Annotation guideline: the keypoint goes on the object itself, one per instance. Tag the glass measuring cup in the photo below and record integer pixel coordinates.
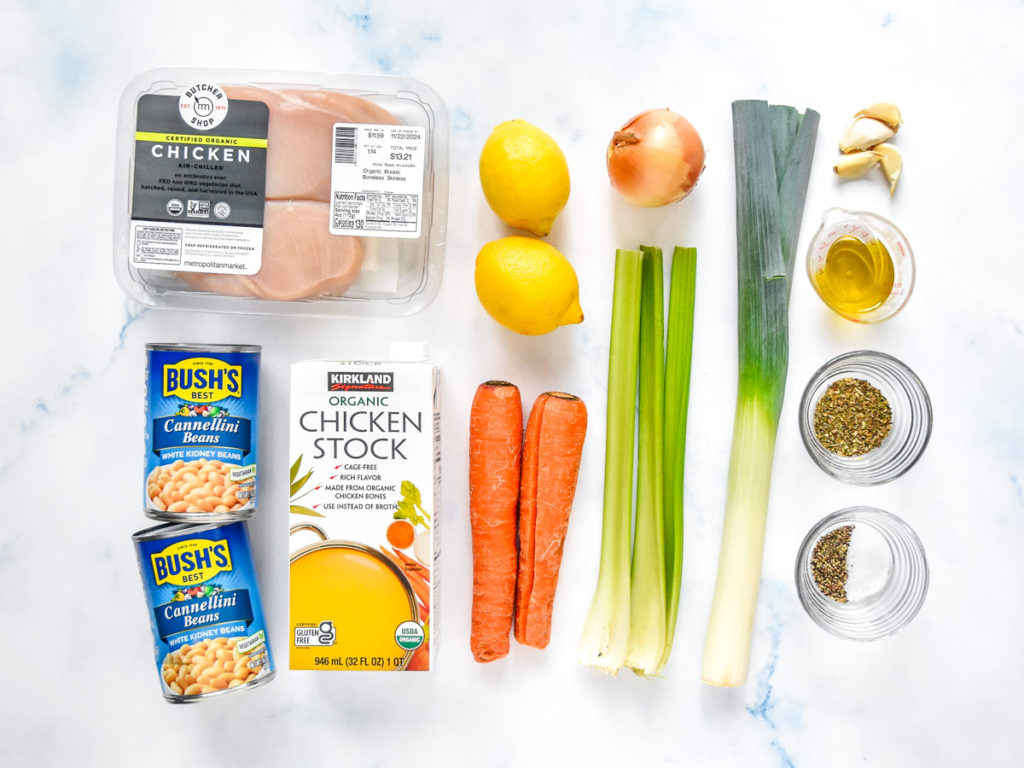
(869, 231)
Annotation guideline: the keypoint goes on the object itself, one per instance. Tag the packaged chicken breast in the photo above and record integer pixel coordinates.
(280, 193)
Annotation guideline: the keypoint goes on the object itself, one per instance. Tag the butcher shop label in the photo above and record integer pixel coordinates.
(199, 183)
(203, 106)
(377, 180)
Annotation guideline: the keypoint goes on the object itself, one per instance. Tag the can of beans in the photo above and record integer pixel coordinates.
(204, 609)
(202, 409)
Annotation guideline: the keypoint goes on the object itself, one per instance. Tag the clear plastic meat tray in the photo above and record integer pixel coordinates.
(280, 193)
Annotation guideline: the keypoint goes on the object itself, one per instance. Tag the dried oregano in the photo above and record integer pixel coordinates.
(852, 417)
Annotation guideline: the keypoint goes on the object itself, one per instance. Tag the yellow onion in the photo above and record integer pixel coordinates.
(655, 158)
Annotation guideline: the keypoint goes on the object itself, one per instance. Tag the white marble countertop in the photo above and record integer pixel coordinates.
(77, 671)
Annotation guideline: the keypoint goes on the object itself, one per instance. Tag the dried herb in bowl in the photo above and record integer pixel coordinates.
(852, 417)
(828, 563)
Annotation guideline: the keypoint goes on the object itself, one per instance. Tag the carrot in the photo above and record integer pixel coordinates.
(420, 587)
(424, 611)
(495, 454)
(401, 534)
(551, 463)
(420, 660)
(413, 565)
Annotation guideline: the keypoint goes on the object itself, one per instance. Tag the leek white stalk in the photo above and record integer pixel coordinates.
(774, 147)
(727, 647)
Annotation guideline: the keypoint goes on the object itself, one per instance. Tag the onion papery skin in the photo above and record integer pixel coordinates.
(655, 158)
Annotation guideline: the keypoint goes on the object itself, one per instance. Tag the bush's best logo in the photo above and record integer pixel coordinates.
(191, 562)
(202, 379)
(360, 381)
(203, 106)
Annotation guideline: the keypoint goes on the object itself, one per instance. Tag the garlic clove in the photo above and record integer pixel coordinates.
(856, 164)
(864, 133)
(892, 164)
(885, 112)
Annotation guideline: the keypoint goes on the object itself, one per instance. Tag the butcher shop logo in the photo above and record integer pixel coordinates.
(203, 106)
(360, 381)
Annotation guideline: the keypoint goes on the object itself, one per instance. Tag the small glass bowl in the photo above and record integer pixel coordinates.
(888, 575)
(911, 418)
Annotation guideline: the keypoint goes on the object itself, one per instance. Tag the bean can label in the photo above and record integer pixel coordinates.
(201, 431)
(204, 609)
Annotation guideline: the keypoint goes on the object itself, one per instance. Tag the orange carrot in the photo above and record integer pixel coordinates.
(413, 565)
(401, 534)
(528, 515)
(420, 660)
(495, 453)
(551, 464)
(420, 587)
(424, 611)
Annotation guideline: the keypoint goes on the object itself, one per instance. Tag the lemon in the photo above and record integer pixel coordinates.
(527, 285)
(524, 176)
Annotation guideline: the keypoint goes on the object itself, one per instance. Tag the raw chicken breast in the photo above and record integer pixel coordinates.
(301, 136)
(301, 258)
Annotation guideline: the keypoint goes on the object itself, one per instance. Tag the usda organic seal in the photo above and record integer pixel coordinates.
(409, 635)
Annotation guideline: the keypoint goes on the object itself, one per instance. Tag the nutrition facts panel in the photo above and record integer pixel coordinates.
(370, 212)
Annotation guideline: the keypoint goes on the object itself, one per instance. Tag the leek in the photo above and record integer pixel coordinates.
(774, 147)
(647, 584)
(678, 356)
(606, 631)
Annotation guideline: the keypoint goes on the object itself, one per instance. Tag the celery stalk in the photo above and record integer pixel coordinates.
(774, 148)
(606, 631)
(678, 357)
(647, 584)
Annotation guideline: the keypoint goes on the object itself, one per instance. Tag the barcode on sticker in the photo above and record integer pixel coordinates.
(345, 144)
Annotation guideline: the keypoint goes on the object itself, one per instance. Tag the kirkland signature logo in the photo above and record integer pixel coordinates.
(360, 381)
